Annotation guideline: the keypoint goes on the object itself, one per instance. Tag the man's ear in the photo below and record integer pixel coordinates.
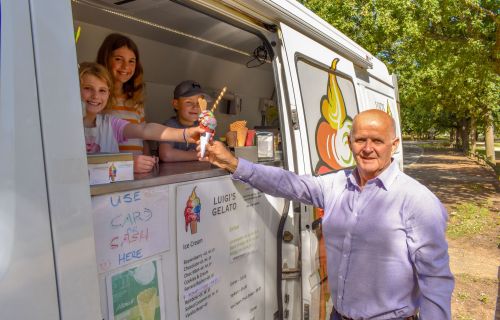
(349, 141)
(395, 144)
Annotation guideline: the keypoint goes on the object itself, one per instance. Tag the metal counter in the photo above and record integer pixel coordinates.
(167, 173)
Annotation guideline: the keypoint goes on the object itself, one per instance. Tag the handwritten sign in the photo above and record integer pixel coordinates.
(130, 226)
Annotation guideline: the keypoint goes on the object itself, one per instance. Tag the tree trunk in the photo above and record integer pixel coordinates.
(457, 137)
(452, 136)
(465, 129)
(489, 138)
(473, 135)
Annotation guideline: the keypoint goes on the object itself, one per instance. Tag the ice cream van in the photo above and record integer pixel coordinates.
(185, 241)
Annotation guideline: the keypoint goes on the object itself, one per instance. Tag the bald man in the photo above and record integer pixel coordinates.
(385, 232)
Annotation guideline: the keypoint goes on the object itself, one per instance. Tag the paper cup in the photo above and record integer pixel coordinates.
(146, 300)
(250, 138)
(231, 138)
(204, 138)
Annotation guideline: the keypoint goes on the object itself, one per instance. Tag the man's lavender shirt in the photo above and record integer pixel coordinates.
(386, 248)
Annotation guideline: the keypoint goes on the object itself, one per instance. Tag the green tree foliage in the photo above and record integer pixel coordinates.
(446, 54)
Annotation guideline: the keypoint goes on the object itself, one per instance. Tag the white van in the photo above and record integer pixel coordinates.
(124, 250)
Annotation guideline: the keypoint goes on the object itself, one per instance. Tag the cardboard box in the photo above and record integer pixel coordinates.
(110, 167)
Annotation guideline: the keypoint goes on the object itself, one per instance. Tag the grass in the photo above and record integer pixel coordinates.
(462, 296)
(468, 219)
(474, 297)
(481, 145)
(436, 145)
(483, 297)
(483, 152)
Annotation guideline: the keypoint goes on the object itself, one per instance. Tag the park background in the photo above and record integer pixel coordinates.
(446, 55)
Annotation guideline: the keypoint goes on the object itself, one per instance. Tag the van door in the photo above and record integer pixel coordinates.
(47, 253)
(322, 101)
(27, 273)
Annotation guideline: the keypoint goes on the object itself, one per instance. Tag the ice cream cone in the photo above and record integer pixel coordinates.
(204, 139)
(241, 136)
(194, 227)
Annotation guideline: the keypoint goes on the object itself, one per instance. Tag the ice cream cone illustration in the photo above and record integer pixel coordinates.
(192, 212)
(112, 172)
(333, 128)
(146, 300)
(388, 109)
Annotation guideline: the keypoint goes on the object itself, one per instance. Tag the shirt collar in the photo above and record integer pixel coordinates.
(385, 179)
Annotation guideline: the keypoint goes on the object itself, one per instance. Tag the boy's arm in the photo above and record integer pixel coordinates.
(168, 153)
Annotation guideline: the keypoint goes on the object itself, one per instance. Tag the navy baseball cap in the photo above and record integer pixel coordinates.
(187, 88)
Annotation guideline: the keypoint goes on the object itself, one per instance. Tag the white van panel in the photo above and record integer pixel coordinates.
(27, 275)
(65, 159)
(239, 285)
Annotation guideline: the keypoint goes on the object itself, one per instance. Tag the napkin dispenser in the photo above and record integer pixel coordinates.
(265, 145)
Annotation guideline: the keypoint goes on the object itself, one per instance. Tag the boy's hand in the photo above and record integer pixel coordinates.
(217, 154)
(193, 134)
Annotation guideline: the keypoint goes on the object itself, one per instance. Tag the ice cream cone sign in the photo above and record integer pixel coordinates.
(388, 109)
(333, 128)
(192, 212)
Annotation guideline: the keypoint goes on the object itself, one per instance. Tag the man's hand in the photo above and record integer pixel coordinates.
(144, 164)
(219, 155)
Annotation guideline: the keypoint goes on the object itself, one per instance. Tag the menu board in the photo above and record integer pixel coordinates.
(130, 226)
(220, 238)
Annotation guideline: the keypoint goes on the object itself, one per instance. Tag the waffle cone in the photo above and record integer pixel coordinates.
(241, 136)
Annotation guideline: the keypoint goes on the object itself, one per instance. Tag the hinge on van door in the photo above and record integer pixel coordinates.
(295, 120)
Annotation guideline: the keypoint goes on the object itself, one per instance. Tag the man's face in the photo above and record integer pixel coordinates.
(188, 109)
(372, 142)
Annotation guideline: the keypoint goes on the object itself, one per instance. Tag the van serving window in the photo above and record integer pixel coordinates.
(177, 43)
(330, 110)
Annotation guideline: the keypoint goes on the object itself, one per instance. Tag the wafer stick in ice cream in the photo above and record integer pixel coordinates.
(221, 94)
(202, 102)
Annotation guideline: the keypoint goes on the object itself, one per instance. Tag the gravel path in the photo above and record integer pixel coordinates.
(475, 260)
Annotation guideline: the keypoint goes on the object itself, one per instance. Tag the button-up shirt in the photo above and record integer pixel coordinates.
(386, 249)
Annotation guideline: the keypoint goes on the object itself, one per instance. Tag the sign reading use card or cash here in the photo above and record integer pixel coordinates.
(130, 226)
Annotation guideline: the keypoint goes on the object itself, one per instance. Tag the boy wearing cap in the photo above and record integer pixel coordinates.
(186, 107)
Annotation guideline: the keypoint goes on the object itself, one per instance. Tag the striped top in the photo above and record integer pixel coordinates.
(133, 114)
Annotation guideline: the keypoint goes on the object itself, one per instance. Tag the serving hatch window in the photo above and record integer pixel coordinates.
(178, 43)
(330, 108)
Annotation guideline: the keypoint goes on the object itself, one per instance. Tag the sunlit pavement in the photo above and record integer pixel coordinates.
(411, 153)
